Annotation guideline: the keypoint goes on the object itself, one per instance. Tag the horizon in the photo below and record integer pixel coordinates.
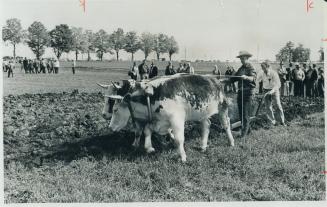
(252, 25)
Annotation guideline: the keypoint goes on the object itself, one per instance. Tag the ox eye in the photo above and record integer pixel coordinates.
(115, 110)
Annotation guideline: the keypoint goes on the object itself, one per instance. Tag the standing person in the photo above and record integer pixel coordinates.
(134, 72)
(56, 66)
(246, 84)
(298, 77)
(5, 65)
(181, 68)
(270, 86)
(229, 87)
(216, 71)
(11, 68)
(35, 66)
(289, 81)
(304, 85)
(25, 65)
(189, 69)
(282, 76)
(30, 66)
(153, 71)
(143, 70)
(73, 66)
(314, 80)
(52, 66)
(308, 84)
(48, 66)
(170, 69)
(321, 82)
(42, 66)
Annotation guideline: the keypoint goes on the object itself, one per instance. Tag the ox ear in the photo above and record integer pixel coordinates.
(103, 86)
(116, 85)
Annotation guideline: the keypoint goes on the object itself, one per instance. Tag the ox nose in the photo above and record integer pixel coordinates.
(105, 116)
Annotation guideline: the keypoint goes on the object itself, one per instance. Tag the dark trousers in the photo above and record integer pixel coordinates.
(309, 89)
(73, 68)
(245, 111)
(10, 71)
(298, 88)
(321, 87)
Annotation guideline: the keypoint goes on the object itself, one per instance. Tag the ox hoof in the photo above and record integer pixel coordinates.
(150, 150)
(232, 144)
(184, 160)
(136, 145)
(203, 149)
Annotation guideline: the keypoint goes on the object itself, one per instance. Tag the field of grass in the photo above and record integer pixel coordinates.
(57, 149)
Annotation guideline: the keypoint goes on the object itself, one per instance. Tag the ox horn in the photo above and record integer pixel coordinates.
(102, 85)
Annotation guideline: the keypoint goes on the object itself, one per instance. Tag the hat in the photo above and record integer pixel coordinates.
(244, 53)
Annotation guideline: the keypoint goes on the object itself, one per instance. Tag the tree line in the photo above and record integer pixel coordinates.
(65, 39)
(290, 53)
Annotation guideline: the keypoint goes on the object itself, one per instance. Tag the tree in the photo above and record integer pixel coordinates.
(12, 32)
(89, 42)
(172, 46)
(61, 39)
(79, 44)
(117, 41)
(286, 53)
(132, 44)
(161, 45)
(301, 54)
(147, 43)
(102, 43)
(37, 38)
(322, 55)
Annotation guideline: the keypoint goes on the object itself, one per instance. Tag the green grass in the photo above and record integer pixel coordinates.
(275, 164)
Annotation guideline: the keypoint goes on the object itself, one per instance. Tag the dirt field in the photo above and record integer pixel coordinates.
(57, 149)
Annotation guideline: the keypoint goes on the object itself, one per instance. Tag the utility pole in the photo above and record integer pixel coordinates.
(185, 53)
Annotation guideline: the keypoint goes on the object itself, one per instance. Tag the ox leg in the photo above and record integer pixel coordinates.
(224, 120)
(147, 143)
(138, 134)
(170, 133)
(205, 129)
(178, 133)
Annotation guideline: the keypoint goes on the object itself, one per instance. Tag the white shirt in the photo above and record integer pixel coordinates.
(270, 80)
(57, 63)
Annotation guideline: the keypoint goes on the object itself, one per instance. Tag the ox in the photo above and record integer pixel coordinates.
(166, 103)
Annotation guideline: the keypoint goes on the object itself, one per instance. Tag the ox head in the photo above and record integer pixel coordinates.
(120, 114)
(114, 92)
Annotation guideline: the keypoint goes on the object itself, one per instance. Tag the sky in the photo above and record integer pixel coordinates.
(204, 29)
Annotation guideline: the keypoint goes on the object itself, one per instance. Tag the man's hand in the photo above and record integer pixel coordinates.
(244, 77)
(270, 92)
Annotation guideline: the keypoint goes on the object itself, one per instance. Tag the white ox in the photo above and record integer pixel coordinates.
(166, 103)
(116, 90)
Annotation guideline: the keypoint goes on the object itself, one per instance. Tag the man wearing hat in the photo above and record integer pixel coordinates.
(246, 84)
(271, 84)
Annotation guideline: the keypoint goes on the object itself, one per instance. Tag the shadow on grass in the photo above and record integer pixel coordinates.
(111, 146)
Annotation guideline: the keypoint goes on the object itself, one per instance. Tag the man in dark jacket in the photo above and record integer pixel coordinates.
(246, 85)
(170, 69)
(143, 70)
(25, 65)
(309, 80)
(153, 71)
